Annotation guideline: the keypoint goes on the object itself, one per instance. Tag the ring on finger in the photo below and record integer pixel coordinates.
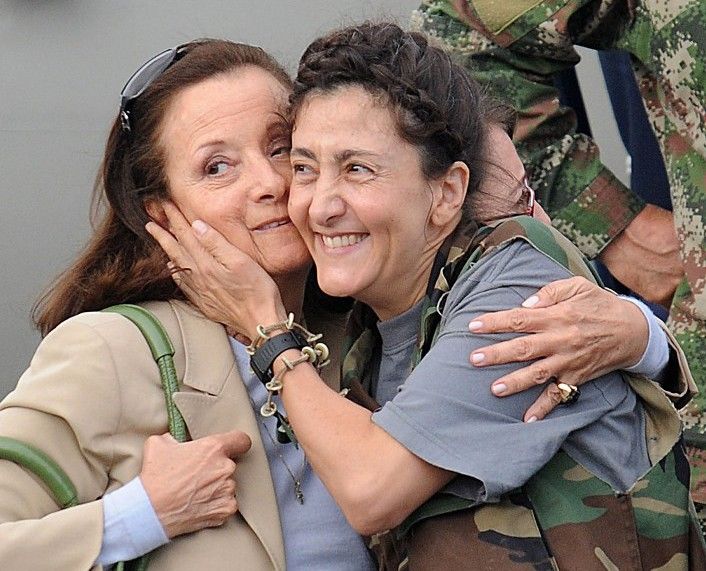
(569, 393)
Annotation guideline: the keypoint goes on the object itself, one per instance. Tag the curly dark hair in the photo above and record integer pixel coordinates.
(437, 106)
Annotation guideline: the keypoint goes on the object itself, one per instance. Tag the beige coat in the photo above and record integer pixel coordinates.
(89, 399)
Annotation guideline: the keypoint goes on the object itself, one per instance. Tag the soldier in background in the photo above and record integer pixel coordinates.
(516, 48)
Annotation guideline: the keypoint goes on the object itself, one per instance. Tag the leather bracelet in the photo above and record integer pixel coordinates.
(265, 355)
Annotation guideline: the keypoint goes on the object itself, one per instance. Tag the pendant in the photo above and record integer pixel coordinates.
(299, 493)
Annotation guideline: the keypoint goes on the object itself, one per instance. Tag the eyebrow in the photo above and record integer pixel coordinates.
(209, 144)
(278, 126)
(339, 157)
(302, 152)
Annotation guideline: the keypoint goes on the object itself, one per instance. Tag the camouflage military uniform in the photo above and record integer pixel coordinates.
(515, 47)
(565, 517)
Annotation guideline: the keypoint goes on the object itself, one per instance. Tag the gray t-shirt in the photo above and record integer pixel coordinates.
(446, 414)
(316, 534)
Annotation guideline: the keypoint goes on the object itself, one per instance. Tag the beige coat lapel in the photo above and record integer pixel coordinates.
(214, 399)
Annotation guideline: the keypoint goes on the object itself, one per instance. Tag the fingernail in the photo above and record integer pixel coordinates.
(477, 357)
(474, 325)
(530, 301)
(531, 419)
(199, 227)
(499, 388)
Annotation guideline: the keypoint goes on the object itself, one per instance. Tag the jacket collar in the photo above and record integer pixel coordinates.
(212, 399)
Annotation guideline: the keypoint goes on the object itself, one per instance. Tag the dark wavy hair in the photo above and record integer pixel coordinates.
(121, 263)
(437, 106)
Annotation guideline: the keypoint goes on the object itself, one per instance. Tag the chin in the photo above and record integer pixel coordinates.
(338, 286)
(289, 266)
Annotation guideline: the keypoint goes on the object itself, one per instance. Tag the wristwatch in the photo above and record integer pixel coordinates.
(262, 360)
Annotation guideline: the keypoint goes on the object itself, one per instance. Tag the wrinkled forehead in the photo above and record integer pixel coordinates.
(239, 99)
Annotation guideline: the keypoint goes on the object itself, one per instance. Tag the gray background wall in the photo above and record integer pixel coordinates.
(62, 65)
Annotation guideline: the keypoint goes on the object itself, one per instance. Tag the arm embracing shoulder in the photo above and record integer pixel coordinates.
(445, 412)
(66, 404)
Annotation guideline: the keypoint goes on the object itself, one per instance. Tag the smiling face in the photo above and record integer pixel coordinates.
(226, 150)
(361, 201)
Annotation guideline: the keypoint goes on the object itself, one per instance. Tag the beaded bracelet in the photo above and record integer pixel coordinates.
(315, 352)
(263, 333)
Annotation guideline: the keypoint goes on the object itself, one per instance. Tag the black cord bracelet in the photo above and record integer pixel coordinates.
(265, 355)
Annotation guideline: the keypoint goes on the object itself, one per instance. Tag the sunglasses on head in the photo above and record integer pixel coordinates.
(143, 78)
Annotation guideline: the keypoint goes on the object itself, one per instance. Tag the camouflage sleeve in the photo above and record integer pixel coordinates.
(515, 48)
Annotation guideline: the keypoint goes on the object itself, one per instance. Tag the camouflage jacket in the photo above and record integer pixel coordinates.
(564, 517)
(516, 47)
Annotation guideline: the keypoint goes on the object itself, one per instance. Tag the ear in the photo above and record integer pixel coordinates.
(156, 212)
(450, 194)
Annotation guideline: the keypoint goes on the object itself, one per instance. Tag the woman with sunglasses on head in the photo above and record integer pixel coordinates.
(388, 152)
(202, 126)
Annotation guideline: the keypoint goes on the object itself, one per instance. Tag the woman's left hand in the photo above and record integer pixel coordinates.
(579, 332)
(227, 285)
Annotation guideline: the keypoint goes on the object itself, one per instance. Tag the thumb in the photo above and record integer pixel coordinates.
(214, 242)
(556, 292)
(235, 442)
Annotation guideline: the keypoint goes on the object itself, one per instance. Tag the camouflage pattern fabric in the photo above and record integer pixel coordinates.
(516, 47)
(565, 517)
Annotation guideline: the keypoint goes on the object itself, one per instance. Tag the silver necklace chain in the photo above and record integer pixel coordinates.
(298, 492)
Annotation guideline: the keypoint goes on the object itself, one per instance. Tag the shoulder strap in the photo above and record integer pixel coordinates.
(48, 471)
(541, 237)
(163, 354)
(53, 476)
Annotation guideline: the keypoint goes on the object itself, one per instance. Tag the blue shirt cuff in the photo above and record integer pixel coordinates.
(131, 527)
(656, 355)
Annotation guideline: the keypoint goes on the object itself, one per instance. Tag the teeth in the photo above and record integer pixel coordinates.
(273, 225)
(341, 241)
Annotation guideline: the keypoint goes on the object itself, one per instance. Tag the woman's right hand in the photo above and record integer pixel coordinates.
(226, 284)
(579, 331)
(191, 484)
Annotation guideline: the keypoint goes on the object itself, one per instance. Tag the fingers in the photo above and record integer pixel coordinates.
(525, 348)
(526, 319)
(515, 320)
(182, 230)
(221, 508)
(200, 488)
(200, 241)
(558, 291)
(167, 242)
(232, 444)
(537, 373)
(526, 378)
(199, 236)
(547, 402)
(214, 242)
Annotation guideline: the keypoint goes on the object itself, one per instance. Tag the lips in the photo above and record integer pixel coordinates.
(342, 240)
(269, 225)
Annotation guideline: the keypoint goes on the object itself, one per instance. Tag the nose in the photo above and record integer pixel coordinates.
(267, 183)
(327, 202)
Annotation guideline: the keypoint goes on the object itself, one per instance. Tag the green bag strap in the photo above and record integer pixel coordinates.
(163, 354)
(53, 476)
(37, 462)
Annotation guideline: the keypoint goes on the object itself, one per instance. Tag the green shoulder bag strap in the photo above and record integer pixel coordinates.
(53, 476)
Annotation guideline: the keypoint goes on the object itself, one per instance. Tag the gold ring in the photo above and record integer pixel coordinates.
(569, 393)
